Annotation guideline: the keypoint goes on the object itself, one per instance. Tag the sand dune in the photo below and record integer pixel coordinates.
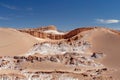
(13, 42)
(107, 42)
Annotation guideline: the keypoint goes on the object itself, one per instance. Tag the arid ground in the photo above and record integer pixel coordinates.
(45, 53)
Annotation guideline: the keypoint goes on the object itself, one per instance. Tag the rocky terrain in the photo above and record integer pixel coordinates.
(48, 54)
(52, 33)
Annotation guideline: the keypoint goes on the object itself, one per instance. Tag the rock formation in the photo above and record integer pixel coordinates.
(39, 32)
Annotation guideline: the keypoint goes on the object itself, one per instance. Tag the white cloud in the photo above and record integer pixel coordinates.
(109, 21)
(4, 18)
(8, 6)
(14, 7)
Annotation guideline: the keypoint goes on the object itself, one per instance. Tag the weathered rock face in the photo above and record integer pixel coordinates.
(75, 32)
(39, 32)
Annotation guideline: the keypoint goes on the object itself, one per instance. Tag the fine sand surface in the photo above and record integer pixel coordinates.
(46, 66)
(108, 43)
(13, 42)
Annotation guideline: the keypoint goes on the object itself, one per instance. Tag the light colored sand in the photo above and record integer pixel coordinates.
(46, 66)
(108, 43)
(13, 42)
(54, 32)
(9, 71)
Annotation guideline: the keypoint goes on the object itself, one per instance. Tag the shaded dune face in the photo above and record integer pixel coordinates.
(13, 42)
(108, 43)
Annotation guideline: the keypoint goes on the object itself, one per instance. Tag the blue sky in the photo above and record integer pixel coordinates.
(65, 14)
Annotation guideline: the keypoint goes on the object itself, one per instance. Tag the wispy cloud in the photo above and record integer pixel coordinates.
(3, 18)
(109, 21)
(8, 6)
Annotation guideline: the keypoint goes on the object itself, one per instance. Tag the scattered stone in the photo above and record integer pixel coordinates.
(97, 55)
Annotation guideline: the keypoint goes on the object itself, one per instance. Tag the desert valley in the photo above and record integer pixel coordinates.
(45, 53)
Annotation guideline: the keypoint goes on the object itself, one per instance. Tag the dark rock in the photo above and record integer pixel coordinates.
(97, 55)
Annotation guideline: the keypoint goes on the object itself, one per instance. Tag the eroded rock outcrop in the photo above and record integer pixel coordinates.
(39, 32)
(15, 64)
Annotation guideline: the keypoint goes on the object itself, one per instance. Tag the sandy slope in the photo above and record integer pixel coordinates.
(13, 42)
(108, 43)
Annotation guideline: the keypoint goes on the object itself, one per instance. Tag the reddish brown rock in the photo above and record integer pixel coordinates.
(39, 32)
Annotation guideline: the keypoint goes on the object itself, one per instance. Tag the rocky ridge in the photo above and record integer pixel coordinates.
(39, 32)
